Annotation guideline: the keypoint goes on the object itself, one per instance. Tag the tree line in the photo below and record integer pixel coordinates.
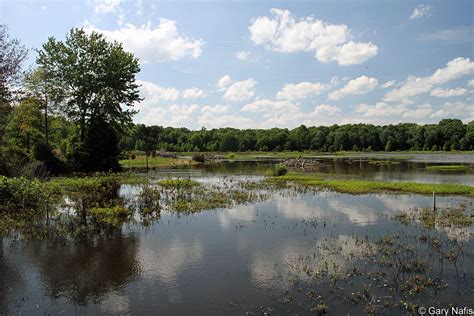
(73, 112)
(447, 135)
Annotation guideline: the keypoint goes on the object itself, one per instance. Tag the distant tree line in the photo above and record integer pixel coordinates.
(447, 135)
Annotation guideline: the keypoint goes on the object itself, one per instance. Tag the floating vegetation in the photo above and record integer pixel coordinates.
(447, 168)
(365, 186)
(178, 183)
(198, 198)
(114, 215)
(383, 162)
(148, 201)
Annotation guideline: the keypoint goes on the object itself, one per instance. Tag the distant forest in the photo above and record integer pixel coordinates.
(448, 134)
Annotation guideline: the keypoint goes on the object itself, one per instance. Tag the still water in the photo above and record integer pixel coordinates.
(297, 252)
(401, 170)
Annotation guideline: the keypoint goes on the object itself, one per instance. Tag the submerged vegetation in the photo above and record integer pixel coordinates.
(400, 270)
(367, 186)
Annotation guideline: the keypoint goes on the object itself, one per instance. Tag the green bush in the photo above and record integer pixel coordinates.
(199, 157)
(21, 193)
(279, 170)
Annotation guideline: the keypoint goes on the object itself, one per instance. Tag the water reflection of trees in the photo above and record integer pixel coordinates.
(89, 268)
(9, 279)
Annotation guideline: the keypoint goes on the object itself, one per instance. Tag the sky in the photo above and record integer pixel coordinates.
(263, 64)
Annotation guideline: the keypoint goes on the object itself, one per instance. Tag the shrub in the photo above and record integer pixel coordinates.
(279, 170)
(199, 157)
(231, 156)
(21, 193)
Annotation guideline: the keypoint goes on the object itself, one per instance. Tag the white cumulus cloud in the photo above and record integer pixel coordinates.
(224, 82)
(154, 44)
(302, 90)
(154, 93)
(413, 86)
(329, 42)
(266, 105)
(446, 93)
(459, 109)
(361, 85)
(216, 116)
(193, 93)
(240, 90)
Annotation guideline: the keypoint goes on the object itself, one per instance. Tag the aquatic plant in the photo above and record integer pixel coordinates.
(366, 186)
(148, 201)
(279, 170)
(114, 215)
(178, 183)
(448, 168)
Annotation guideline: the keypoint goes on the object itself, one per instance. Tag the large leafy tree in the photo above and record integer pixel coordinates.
(92, 82)
(94, 78)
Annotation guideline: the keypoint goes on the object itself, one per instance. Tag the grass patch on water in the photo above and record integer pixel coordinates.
(154, 162)
(114, 215)
(447, 168)
(178, 183)
(365, 186)
(383, 162)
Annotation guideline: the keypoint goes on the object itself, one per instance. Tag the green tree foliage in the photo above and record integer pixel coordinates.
(447, 135)
(147, 138)
(94, 87)
(24, 127)
(98, 151)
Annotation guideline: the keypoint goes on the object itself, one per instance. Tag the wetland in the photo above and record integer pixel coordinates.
(228, 237)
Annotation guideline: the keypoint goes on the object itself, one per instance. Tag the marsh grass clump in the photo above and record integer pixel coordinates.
(279, 170)
(367, 186)
(148, 201)
(200, 199)
(447, 168)
(113, 216)
(428, 218)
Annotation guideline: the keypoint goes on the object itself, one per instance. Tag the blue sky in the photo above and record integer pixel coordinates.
(262, 64)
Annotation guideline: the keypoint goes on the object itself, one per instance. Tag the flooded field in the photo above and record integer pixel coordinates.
(223, 240)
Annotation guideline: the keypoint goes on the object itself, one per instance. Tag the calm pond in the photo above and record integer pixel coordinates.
(288, 249)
